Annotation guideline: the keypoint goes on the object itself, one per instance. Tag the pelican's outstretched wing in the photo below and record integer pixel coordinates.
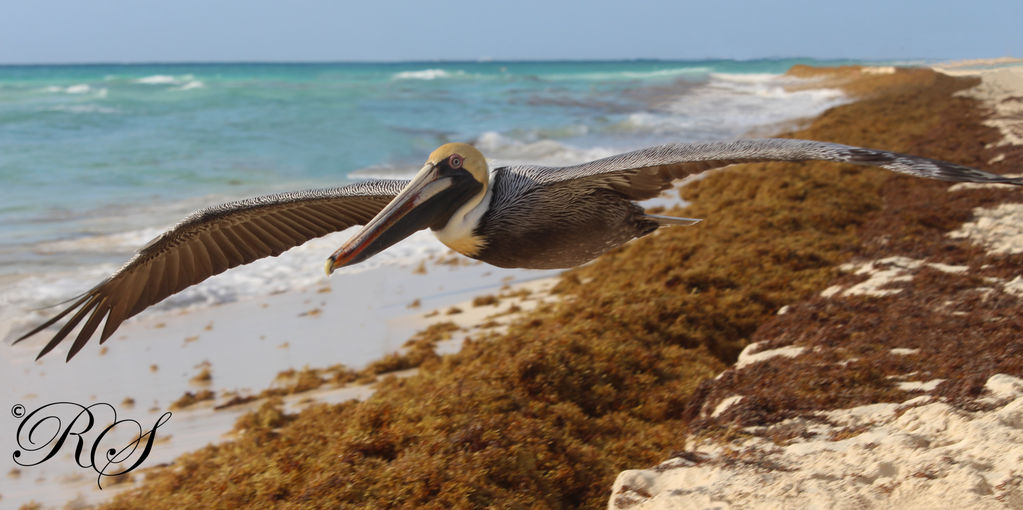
(211, 241)
(645, 173)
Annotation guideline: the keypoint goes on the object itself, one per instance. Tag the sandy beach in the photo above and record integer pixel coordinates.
(846, 371)
(244, 345)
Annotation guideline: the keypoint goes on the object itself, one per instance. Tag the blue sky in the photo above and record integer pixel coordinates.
(75, 31)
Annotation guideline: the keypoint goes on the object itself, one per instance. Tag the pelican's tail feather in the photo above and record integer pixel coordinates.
(671, 220)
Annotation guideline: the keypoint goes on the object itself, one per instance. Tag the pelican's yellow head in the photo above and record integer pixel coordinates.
(448, 195)
(465, 156)
(458, 232)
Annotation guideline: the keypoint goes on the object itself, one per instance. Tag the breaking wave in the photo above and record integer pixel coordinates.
(427, 74)
(164, 79)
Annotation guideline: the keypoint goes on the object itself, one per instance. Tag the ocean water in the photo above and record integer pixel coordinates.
(95, 160)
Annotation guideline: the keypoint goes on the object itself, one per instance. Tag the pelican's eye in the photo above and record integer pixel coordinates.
(455, 161)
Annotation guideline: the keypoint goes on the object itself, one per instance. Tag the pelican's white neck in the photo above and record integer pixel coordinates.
(457, 234)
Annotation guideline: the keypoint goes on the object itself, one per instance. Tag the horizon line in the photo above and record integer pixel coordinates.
(452, 61)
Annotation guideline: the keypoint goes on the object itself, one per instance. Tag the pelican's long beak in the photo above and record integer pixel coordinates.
(428, 201)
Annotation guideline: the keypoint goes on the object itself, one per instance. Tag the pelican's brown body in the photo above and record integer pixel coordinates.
(555, 227)
(515, 216)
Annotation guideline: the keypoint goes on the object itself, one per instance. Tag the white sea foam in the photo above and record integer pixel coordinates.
(746, 77)
(102, 243)
(157, 79)
(730, 105)
(80, 88)
(426, 74)
(165, 79)
(194, 84)
(502, 150)
(77, 89)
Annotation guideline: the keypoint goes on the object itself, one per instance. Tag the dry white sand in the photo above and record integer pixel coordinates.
(999, 229)
(919, 454)
(1000, 89)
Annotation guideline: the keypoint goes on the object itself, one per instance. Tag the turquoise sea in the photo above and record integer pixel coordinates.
(95, 160)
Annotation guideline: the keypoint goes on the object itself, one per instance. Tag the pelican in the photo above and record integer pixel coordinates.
(524, 216)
